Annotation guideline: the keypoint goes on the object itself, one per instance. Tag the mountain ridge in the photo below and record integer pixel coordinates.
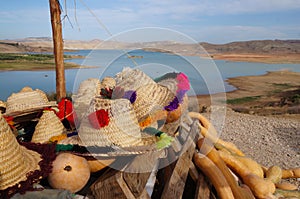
(44, 44)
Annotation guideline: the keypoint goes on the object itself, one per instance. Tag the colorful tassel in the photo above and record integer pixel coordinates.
(99, 118)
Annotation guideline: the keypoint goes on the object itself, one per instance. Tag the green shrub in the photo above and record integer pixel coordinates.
(242, 100)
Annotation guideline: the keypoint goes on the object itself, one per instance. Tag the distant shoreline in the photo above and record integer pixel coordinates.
(243, 57)
(34, 62)
(274, 93)
(260, 51)
(260, 58)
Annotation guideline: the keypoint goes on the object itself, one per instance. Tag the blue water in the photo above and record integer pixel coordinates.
(206, 76)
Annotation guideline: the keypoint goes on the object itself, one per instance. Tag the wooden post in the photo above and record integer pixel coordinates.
(58, 48)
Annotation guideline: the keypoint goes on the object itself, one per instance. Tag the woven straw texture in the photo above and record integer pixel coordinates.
(48, 126)
(151, 97)
(2, 104)
(132, 79)
(90, 86)
(87, 90)
(26, 89)
(26, 101)
(122, 129)
(16, 161)
(170, 83)
(108, 82)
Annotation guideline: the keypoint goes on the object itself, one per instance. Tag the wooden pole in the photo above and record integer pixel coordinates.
(58, 48)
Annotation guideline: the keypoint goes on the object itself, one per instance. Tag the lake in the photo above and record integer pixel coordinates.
(206, 76)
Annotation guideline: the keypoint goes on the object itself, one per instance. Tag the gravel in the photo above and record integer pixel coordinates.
(267, 139)
(270, 140)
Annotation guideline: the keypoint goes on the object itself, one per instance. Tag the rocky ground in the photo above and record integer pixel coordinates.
(270, 140)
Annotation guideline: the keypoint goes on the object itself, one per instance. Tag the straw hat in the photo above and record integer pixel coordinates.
(26, 101)
(117, 124)
(108, 82)
(19, 167)
(132, 79)
(120, 125)
(151, 97)
(144, 93)
(48, 126)
(87, 90)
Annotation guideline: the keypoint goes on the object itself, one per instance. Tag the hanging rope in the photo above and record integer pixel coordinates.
(107, 31)
(75, 15)
(66, 16)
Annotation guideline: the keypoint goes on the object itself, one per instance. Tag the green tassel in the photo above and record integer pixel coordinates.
(61, 147)
(164, 141)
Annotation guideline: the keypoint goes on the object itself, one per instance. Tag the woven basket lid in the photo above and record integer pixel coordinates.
(26, 101)
(16, 160)
(26, 89)
(132, 79)
(48, 126)
(119, 124)
(151, 97)
(108, 82)
(91, 85)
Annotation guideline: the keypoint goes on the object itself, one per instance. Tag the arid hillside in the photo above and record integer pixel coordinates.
(268, 51)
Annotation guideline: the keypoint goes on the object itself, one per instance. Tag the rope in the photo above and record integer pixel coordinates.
(75, 15)
(107, 31)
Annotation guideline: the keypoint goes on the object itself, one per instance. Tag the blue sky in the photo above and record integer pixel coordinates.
(215, 21)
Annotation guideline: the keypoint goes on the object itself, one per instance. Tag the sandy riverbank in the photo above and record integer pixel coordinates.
(261, 58)
(274, 93)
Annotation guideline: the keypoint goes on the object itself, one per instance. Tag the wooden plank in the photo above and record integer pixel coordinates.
(130, 183)
(162, 177)
(165, 176)
(144, 195)
(193, 172)
(111, 185)
(175, 185)
(203, 188)
(137, 173)
(136, 182)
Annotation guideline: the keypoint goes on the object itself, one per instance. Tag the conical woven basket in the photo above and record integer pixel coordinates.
(16, 161)
(87, 90)
(132, 79)
(121, 130)
(151, 97)
(108, 82)
(26, 101)
(48, 126)
(170, 83)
